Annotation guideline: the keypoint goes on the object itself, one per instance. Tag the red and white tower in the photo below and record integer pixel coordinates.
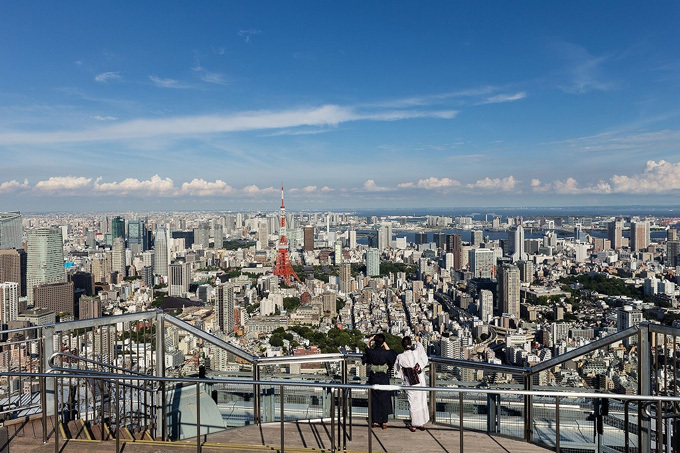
(283, 268)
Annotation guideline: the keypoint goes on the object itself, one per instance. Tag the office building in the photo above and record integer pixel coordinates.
(329, 304)
(481, 263)
(345, 278)
(9, 302)
(352, 239)
(224, 308)
(117, 228)
(136, 238)
(89, 307)
(485, 310)
(202, 235)
(509, 290)
(639, 235)
(476, 238)
(45, 261)
(162, 252)
(420, 238)
(517, 241)
(372, 262)
(615, 233)
(118, 257)
(57, 297)
(83, 281)
(218, 236)
(673, 253)
(10, 230)
(179, 279)
(454, 244)
(13, 264)
(308, 238)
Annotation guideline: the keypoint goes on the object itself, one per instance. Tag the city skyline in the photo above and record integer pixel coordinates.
(353, 106)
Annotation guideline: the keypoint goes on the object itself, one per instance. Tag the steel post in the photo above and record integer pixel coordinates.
(460, 419)
(557, 424)
(645, 385)
(433, 383)
(282, 418)
(198, 417)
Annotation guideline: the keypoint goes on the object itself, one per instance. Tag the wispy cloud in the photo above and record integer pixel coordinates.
(168, 83)
(247, 34)
(584, 72)
(327, 115)
(504, 97)
(105, 118)
(105, 77)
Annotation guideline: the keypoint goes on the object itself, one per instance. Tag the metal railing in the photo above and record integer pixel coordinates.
(506, 400)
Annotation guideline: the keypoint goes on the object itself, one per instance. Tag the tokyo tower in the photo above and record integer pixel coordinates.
(283, 268)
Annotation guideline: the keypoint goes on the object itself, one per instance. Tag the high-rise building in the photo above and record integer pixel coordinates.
(45, 261)
(352, 239)
(345, 278)
(162, 252)
(476, 238)
(179, 278)
(420, 238)
(384, 236)
(117, 228)
(615, 233)
(309, 238)
(202, 235)
(485, 310)
(639, 235)
(518, 243)
(454, 244)
(137, 236)
(10, 230)
(338, 252)
(89, 307)
(372, 262)
(224, 307)
(83, 281)
(526, 270)
(328, 300)
(218, 236)
(509, 290)
(672, 253)
(13, 268)
(57, 297)
(9, 302)
(481, 263)
(440, 240)
(118, 257)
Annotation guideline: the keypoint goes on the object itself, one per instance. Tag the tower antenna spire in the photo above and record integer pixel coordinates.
(283, 267)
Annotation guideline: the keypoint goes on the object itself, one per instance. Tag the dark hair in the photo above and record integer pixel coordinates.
(379, 339)
(406, 343)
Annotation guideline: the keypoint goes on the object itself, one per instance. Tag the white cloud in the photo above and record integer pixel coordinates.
(107, 76)
(203, 188)
(248, 33)
(371, 186)
(495, 184)
(505, 98)
(13, 186)
(326, 189)
(570, 186)
(154, 186)
(105, 118)
(168, 83)
(436, 183)
(326, 115)
(253, 190)
(60, 184)
(586, 72)
(657, 177)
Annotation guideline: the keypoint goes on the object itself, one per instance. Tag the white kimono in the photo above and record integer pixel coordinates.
(417, 400)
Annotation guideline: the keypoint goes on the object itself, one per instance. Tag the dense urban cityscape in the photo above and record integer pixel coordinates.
(486, 288)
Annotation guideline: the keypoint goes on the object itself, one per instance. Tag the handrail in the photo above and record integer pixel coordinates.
(478, 365)
(105, 320)
(20, 329)
(83, 359)
(301, 358)
(337, 385)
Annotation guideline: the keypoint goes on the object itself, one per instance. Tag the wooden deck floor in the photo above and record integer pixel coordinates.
(302, 436)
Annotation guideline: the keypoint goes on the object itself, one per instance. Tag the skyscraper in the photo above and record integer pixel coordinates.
(218, 236)
(224, 308)
(10, 230)
(345, 277)
(309, 238)
(136, 236)
(476, 238)
(9, 302)
(57, 297)
(202, 235)
(118, 257)
(45, 263)
(352, 235)
(162, 252)
(179, 278)
(508, 290)
(372, 262)
(117, 227)
(639, 235)
(615, 233)
(13, 268)
(518, 244)
(454, 245)
(481, 263)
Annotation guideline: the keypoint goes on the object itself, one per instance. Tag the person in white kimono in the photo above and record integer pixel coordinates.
(411, 364)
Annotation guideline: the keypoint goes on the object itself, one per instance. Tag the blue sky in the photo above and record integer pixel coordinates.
(210, 105)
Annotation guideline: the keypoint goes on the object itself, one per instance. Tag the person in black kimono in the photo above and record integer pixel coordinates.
(380, 359)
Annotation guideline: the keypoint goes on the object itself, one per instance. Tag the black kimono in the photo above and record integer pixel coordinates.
(381, 402)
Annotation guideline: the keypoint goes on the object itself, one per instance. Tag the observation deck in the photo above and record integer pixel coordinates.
(96, 384)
